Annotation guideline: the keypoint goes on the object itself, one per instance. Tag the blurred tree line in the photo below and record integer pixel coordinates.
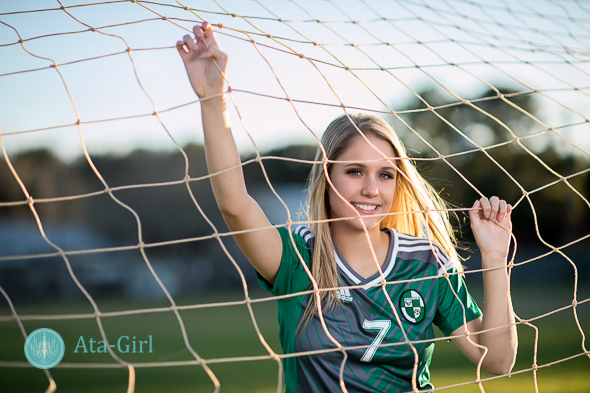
(165, 207)
(562, 216)
(167, 211)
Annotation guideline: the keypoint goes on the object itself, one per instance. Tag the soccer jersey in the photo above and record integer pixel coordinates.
(364, 318)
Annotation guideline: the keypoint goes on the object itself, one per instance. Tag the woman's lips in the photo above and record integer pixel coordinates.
(366, 207)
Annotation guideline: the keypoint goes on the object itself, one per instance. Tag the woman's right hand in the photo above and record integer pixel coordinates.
(199, 57)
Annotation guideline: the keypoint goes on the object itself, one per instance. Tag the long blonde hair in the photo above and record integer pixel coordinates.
(425, 213)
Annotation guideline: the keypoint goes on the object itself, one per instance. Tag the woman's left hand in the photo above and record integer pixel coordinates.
(491, 226)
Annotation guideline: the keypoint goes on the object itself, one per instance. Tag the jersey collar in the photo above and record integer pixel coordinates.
(375, 279)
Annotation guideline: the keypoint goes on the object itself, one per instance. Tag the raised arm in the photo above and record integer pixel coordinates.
(206, 67)
(491, 226)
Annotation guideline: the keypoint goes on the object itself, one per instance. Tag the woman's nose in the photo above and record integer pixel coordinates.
(370, 188)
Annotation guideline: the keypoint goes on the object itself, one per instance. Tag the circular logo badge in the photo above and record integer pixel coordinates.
(44, 348)
(412, 306)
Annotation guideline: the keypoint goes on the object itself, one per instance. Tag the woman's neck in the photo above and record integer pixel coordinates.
(355, 246)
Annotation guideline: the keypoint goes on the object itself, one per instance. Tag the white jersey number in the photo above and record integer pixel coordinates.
(383, 325)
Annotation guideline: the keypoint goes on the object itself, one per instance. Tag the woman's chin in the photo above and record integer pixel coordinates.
(370, 222)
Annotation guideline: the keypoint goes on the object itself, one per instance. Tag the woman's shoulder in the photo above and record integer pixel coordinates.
(302, 232)
(411, 238)
(422, 249)
(298, 235)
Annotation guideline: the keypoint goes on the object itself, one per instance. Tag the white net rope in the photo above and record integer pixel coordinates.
(332, 57)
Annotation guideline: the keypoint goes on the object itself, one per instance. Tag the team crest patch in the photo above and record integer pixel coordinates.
(412, 306)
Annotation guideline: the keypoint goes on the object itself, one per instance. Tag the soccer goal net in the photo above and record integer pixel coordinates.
(109, 233)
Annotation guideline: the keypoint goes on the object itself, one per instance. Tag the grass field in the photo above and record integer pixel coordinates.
(228, 332)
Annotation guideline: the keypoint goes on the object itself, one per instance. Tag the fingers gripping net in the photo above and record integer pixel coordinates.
(417, 63)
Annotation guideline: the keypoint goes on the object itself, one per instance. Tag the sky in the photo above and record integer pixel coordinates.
(527, 46)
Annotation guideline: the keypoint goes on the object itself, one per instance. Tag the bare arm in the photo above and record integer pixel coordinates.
(206, 66)
(493, 239)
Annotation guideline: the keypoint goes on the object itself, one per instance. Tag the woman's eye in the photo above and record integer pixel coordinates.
(386, 175)
(354, 172)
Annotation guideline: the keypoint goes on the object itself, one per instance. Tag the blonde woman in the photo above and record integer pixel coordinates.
(363, 231)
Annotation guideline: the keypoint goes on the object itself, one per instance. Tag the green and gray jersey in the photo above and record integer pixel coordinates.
(364, 318)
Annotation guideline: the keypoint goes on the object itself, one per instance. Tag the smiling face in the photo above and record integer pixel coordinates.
(366, 182)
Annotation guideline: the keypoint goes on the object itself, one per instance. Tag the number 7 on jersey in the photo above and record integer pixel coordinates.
(383, 325)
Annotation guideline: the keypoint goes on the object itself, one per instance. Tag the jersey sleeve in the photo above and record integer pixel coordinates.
(452, 298)
(291, 277)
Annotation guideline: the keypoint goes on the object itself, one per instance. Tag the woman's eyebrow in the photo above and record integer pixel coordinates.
(361, 165)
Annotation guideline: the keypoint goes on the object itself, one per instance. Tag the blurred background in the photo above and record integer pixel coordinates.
(70, 65)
